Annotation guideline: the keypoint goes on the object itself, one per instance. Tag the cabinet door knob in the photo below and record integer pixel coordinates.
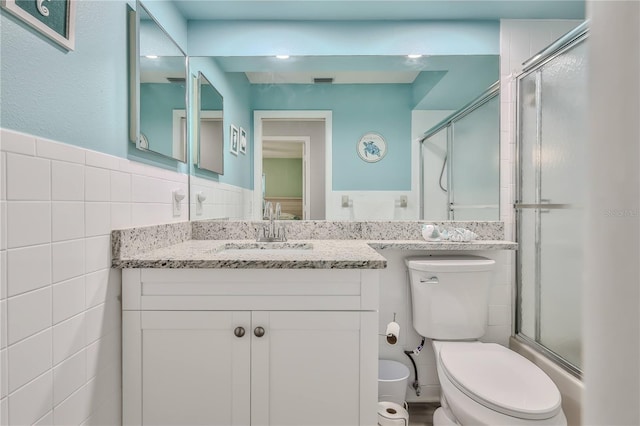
(239, 331)
(259, 331)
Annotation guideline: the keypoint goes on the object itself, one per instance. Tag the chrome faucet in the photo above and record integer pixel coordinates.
(271, 232)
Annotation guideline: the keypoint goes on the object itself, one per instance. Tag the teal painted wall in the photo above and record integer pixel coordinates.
(357, 109)
(283, 177)
(235, 91)
(78, 97)
(81, 98)
(157, 102)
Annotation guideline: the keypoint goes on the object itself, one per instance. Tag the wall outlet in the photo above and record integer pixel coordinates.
(200, 197)
(177, 197)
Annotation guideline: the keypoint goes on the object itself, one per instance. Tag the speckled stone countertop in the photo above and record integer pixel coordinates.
(311, 245)
(442, 245)
(299, 254)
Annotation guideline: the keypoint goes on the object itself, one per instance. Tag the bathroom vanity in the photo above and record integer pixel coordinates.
(236, 346)
(234, 332)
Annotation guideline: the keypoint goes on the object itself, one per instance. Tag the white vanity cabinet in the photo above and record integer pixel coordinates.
(250, 347)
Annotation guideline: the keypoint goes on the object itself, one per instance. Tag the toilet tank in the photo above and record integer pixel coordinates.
(450, 295)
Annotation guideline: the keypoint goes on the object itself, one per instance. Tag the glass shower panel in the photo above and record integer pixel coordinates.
(563, 134)
(527, 219)
(475, 163)
(434, 174)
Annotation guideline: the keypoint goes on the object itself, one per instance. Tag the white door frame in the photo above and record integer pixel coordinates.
(305, 115)
(306, 173)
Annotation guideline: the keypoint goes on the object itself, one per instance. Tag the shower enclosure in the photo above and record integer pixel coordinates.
(552, 116)
(467, 147)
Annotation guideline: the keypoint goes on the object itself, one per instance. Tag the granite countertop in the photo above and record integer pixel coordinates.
(299, 254)
(443, 245)
(321, 244)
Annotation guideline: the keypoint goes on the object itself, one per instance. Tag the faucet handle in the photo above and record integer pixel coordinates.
(268, 211)
(282, 233)
(278, 211)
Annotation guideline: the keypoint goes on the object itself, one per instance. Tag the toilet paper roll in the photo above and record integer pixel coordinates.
(393, 331)
(392, 414)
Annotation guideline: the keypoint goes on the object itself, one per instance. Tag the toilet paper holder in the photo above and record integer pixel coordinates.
(392, 332)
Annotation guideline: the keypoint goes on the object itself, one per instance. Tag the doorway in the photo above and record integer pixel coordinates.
(286, 178)
(288, 129)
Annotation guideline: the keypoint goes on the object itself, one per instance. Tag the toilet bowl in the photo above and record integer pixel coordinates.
(481, 383)
(488, 384)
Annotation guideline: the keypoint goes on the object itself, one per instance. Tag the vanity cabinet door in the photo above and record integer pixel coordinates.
(195, 370)
(314, 368)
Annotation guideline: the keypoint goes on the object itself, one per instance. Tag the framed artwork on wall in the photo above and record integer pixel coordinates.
(371, 147)
(233, 143)
(54, 19)
(243, 141)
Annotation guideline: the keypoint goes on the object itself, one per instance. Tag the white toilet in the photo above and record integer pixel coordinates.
(481, 383)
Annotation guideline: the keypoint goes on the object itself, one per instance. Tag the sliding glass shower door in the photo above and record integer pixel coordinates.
(474, 174)
(462, 157)
(552, 133)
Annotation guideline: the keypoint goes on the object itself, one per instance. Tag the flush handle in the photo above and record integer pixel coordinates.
(259, 331)
(239, 331)
(432, 280)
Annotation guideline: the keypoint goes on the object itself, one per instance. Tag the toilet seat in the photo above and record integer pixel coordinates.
(500, 379)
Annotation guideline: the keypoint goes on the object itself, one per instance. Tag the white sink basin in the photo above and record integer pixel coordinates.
(265, 248)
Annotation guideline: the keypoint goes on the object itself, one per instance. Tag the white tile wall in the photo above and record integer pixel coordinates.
(59, 310)
(67, 181)
(28, 178)
(30, 358)
(67, 260)
(373, 205)
(21, 275)
(223, 200)
(69, 376)
(28, 314)
(32, 401)
(69, 298)
(67, 220)
(30, 223)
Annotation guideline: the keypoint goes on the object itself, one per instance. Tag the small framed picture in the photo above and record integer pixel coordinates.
(243, 141)
(235, 137)
(54, 19)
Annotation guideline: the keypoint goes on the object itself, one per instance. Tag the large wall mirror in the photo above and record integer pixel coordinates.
(157, 88)
(311, 164)
(209, 140)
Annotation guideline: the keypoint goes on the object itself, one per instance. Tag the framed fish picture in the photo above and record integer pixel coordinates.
(371, 147)
(54, 19)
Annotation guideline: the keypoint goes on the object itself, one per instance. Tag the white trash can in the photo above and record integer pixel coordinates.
(392, 381)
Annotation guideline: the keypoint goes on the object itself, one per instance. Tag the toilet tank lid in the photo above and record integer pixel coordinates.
(500, 379)
(450, 263)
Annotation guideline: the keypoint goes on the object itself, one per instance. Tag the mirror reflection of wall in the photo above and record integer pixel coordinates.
(210, 152)
(161, 90)
(389, 95)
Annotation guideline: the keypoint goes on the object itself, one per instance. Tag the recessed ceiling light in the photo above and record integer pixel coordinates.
(414, 56)
(282, 56)
(151, 56)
